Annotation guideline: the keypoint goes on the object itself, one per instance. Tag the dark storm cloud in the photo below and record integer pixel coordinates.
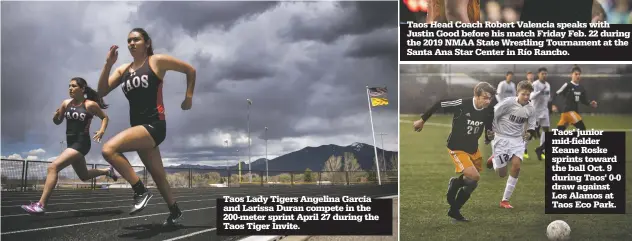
(379, 44)
(353, 18)
(326, 86)
(160, 18)
(201, 60)
(44, 45)
(28, 49)
(245, 68)
(307, 93)
(195, 16)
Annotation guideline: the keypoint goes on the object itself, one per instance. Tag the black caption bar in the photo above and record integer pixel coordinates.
(585, 172)
(304, 215)
(517, 41)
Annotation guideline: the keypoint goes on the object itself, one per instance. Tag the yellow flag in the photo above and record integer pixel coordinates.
(376, 101)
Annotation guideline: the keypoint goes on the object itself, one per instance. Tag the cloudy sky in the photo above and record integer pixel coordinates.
(305, 65)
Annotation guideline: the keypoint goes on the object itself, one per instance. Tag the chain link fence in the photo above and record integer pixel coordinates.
(23, 175)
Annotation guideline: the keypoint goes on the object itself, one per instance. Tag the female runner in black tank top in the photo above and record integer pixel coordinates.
(141, 82)
(78, 112)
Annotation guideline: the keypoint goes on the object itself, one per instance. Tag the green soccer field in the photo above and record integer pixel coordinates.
(425, 169)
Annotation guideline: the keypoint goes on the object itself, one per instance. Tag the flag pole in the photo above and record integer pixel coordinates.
(377, 164)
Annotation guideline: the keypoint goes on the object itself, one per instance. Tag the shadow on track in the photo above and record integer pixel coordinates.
(145, 231)
(79, 214)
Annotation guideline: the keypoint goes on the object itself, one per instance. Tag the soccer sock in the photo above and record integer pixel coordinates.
(465, 192)
(542, 138)
(561, 128)
(580, 125)
(139, 188)
(511, 185)
(454, 189)
(526, 144)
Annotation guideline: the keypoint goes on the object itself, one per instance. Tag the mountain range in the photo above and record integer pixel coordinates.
(313, 158)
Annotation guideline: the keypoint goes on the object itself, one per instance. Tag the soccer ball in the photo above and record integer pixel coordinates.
(558, 230)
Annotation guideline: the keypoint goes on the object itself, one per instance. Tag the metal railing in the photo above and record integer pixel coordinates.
(23, 175)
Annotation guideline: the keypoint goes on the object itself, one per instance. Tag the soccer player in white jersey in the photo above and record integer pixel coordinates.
(530, 77)
(506, 88)
(510, 118)
(541, 98)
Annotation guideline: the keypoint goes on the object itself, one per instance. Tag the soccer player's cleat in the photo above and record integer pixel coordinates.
(140, 202)
(456, 215)
(34, 208)
(539, 153)
(490, 163)
(525, 156)
(112, 174)
(505, 204)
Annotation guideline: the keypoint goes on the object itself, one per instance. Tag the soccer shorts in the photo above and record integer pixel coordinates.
(570, 117)
(464, 160)
(543, 118)
(504, 148)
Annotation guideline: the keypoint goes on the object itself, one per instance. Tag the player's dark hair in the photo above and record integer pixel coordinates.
(542, 69)
(484, 87)
(576, 69)
(91, 94)
(509, 73)
(597, 10)
(150, 50)
(525, 85)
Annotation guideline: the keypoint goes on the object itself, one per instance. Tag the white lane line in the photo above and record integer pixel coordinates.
(100, 221)
(126, 200)
(191, 234)
(62, 193)
(57, 193)
(63, 199)
(95, 196)
(106, 201)
(388, 197)
(87, 209)
(262, 238)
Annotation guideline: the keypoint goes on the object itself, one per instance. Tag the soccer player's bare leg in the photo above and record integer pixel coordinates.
(512, 180)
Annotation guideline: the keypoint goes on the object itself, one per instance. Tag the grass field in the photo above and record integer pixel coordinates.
(425, 169)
